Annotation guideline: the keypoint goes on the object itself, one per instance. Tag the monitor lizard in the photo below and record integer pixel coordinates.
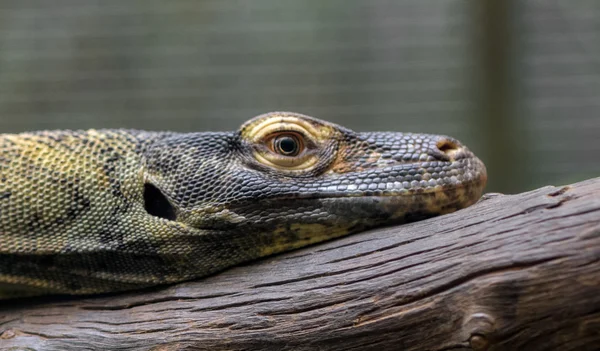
(96, 211)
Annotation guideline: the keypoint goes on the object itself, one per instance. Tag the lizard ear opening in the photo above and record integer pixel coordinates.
(157, 204)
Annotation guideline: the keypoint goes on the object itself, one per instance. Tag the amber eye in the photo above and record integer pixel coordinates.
(287, 144)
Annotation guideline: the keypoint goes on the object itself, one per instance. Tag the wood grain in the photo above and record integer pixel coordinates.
(513, 272)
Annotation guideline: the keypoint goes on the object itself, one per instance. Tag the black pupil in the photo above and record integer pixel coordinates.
(287, 145)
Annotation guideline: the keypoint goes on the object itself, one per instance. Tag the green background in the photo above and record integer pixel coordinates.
(517, 81)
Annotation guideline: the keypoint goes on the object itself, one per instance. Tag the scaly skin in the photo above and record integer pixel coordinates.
(110, 210)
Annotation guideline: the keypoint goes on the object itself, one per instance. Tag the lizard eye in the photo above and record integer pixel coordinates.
(288, 144)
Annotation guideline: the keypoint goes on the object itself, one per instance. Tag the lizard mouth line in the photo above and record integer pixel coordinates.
(476, 184)
(395, 192)
(469, 178)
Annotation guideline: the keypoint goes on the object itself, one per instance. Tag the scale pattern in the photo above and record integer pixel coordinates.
(109, 210)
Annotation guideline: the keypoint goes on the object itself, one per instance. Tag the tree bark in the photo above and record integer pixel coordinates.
(513, 272)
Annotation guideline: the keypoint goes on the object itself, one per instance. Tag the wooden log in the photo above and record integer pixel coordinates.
(513, 272)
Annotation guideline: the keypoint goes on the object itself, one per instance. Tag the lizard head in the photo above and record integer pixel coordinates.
(285, 180)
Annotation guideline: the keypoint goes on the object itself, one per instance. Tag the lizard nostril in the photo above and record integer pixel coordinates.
(447, 146)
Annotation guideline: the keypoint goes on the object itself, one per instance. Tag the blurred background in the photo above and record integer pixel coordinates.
(518, 81)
